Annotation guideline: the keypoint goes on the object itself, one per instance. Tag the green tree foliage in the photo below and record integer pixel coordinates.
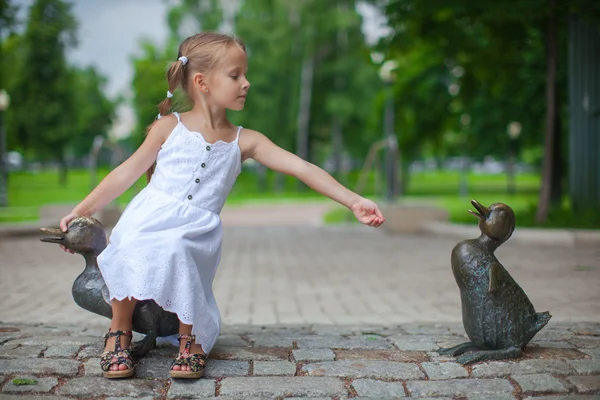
(56, 109)
(282, 37)
(43, 104)
(512, 63)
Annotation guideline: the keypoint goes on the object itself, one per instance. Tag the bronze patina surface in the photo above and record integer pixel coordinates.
(86, 236)
(497, 315)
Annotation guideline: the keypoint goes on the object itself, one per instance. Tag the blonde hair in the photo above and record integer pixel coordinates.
(203, 52)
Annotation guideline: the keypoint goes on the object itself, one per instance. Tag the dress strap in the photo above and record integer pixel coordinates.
(238, 133)
(176, 114)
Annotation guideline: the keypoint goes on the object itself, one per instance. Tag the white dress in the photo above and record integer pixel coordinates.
(167, 244)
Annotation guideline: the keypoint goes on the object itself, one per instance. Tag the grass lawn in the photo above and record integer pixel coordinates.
(29, 191)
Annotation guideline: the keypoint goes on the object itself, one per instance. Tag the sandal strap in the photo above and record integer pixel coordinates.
(117, 335)
(188, 343)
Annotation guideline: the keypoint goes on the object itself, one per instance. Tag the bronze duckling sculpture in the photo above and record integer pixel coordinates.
(86, 236)
(497, 315)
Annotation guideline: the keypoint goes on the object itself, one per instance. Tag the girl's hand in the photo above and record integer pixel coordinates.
(367, 212)
(64, 223)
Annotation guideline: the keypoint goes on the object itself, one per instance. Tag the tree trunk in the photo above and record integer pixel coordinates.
(62, 172)
(306, 80)
(337, 139)
(556, 190)
(549, 145)
(337, 146)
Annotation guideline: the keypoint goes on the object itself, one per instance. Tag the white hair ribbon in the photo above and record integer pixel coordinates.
(169, 94)
(183, 59)
(158, 116)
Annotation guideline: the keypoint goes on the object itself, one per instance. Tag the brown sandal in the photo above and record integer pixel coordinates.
(197, 362)
(118, 356)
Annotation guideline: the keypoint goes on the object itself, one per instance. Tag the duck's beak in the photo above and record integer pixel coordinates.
(59, 235)
(483, 211)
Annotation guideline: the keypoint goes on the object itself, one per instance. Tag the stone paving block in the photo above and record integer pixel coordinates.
(415, 343)
(92, 386)
(555, 344)
(280, 387)
(219, 368)
(378, 389)
(586, 367)
(364, 369)
(57, 341)
(91, 351)
(312, 398)
(43, 385)
(495, 396)
(587, 384)
(92, 367)
(2, 378)
(20, 352)
(539, 383)
(272, 341)
(33, 397)
(191, 388)
(347, 343)
(249, 353)
(458, 387)
(313, 355)
(231, 341)
(564, 397)
(61, 351)
(584, 342)
(382, 355)
(426, 329)
(285, 368)
(594, 353)
(553, 353)
(504, 368)
(446, 370)
(164, 350)
(153, 367)
(129, 398)
(40, 366)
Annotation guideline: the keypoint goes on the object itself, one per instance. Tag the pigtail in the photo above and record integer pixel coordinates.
(175, 75)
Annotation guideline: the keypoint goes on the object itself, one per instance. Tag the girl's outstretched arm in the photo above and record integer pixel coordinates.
(257, 146)
(122, 177)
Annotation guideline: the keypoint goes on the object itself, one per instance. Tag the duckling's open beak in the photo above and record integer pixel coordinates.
(59, 235)
(483, 211)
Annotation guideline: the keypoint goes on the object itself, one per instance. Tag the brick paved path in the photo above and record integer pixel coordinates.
(280, 266)
(318, 361)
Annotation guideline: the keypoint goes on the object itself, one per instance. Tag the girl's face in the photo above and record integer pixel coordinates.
(227, 84)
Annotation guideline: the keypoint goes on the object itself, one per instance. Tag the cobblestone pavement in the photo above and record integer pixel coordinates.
(304, 273)
(319, 361)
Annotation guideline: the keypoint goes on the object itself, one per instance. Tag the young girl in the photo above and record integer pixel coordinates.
(167, 244)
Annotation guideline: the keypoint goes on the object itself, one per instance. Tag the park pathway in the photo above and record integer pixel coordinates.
(282, 266)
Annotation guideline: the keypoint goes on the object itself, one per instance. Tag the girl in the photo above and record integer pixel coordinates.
(167, 244)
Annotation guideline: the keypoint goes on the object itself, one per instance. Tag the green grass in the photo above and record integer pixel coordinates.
(29, 191)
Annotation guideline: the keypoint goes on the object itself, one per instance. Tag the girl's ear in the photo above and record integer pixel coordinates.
(199, 81)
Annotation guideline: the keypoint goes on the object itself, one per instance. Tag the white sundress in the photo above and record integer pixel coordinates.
(167, 244)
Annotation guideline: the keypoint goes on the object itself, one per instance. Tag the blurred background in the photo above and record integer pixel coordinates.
(405, 101)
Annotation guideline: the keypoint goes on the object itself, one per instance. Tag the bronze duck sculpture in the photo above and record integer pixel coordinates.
(497, 315)
(86, 236)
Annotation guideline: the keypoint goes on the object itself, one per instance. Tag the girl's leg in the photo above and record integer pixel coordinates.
(195, 349)
(121, 321)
